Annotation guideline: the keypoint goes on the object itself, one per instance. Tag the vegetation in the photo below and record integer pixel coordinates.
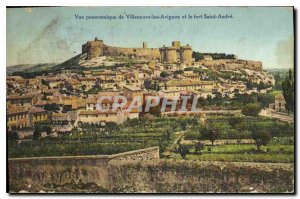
(199, 56)
(211, 132)
(52, 107)
(288, 87)
(261, 138)
(164, 74)
(251, 109)
(110, 139)
(181, 137)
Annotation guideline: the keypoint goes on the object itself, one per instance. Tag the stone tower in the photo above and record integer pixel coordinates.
(171, 54)
(186, 54)
(144, 44)
(94, 48)
(176, 44)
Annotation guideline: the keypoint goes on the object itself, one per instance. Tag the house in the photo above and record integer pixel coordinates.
(17, 118)
(73, 83)
(37, 114)
(99, 117)
(21, 100)
(88, 82)
(130, 92)
(279, 104)
(207, 58)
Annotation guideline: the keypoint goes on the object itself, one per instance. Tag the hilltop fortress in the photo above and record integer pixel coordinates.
(173, 54)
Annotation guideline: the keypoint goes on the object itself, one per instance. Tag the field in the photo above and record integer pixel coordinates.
(91, 140)
(234, 142)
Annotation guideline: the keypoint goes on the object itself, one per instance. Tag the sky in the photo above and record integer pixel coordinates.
(53, 34)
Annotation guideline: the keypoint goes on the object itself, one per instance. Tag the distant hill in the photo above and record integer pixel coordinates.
(275, 70)
(29, 67)
(74, 61)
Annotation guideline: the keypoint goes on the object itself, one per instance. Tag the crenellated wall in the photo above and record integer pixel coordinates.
(139, 53)
(171, 54)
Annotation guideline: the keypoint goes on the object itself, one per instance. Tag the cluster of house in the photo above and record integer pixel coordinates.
(69, 99)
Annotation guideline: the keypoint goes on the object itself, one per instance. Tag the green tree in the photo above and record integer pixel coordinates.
(178, 72)
(47, 129)
(288, 88)
(52, 107)
(210, 132)
(158, 88)
(235, 121)
(164, 74)
(183, 150)
(199, 146)
(13, 135)
(37, 132)
(261, 137)
(251, 109)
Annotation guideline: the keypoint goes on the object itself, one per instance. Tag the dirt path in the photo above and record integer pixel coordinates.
(172, 147)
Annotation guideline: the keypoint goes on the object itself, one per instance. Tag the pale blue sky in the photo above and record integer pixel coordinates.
(54, 34)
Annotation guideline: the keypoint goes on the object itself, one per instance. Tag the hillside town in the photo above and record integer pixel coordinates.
(113, 100)
(68, 99)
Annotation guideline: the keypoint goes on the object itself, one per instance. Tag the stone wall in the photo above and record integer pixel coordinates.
(151, 153)
(166, 176)
(97, 48)
(231, 64)
(60, 171)
(139, 53)
(142, 171)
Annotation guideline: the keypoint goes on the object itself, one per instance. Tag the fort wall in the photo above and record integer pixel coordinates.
(173, 54)
(231, 64)
(139, 53)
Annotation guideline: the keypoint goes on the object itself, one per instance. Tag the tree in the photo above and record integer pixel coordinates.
(178, 72)
(158, 88)
(52, 107)
(288, 88)
(261, 137)
(47, 129)
(210, 132)
(199, 146)
(183, 150)
(164, 74)
(251, 109)
(13, 135)
(37, 132)
(235, 121)
(167, 134)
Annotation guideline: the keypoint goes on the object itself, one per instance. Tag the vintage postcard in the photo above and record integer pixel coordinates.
(150, 100)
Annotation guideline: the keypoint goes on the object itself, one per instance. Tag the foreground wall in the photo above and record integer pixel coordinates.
(189, 176)
(59, 171)
(142, 171)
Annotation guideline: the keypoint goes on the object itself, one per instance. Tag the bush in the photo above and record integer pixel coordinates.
(251, 109)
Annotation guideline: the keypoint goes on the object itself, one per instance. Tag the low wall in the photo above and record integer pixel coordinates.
(166, 176)
(142, 171)
(40, 171)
